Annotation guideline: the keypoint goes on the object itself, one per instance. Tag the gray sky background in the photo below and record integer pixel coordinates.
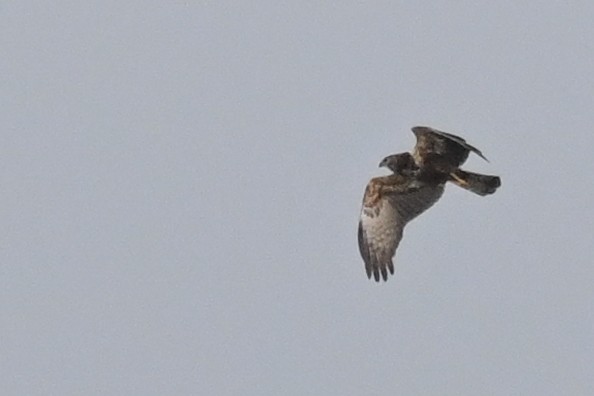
(181, 184)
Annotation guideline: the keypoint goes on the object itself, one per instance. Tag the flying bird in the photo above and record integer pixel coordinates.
(417, 182)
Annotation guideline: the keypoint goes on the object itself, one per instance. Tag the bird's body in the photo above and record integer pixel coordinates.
(417, 182)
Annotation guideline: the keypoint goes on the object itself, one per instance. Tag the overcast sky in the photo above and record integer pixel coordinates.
(181, 185)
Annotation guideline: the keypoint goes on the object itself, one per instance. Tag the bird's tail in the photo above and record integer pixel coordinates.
(477, 183)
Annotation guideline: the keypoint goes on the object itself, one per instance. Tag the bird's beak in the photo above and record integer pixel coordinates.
(383, 163)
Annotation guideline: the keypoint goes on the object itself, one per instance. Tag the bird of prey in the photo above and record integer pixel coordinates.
(417, 182)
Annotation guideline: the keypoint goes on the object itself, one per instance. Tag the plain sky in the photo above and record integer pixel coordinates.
(181, 185)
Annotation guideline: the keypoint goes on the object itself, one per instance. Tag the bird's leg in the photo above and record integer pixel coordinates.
(460, 181)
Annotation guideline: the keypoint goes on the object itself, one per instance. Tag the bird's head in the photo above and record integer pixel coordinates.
(399, 163)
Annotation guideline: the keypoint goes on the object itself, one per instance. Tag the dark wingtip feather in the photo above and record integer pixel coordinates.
(477, 152)
(364, 250)
(376, 274)
(384, 273)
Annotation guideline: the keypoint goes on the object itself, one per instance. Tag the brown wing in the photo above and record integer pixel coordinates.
(441, 150)
(389, 203)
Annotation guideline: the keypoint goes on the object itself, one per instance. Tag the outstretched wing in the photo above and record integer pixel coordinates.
(444, 147)
(384, 214)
